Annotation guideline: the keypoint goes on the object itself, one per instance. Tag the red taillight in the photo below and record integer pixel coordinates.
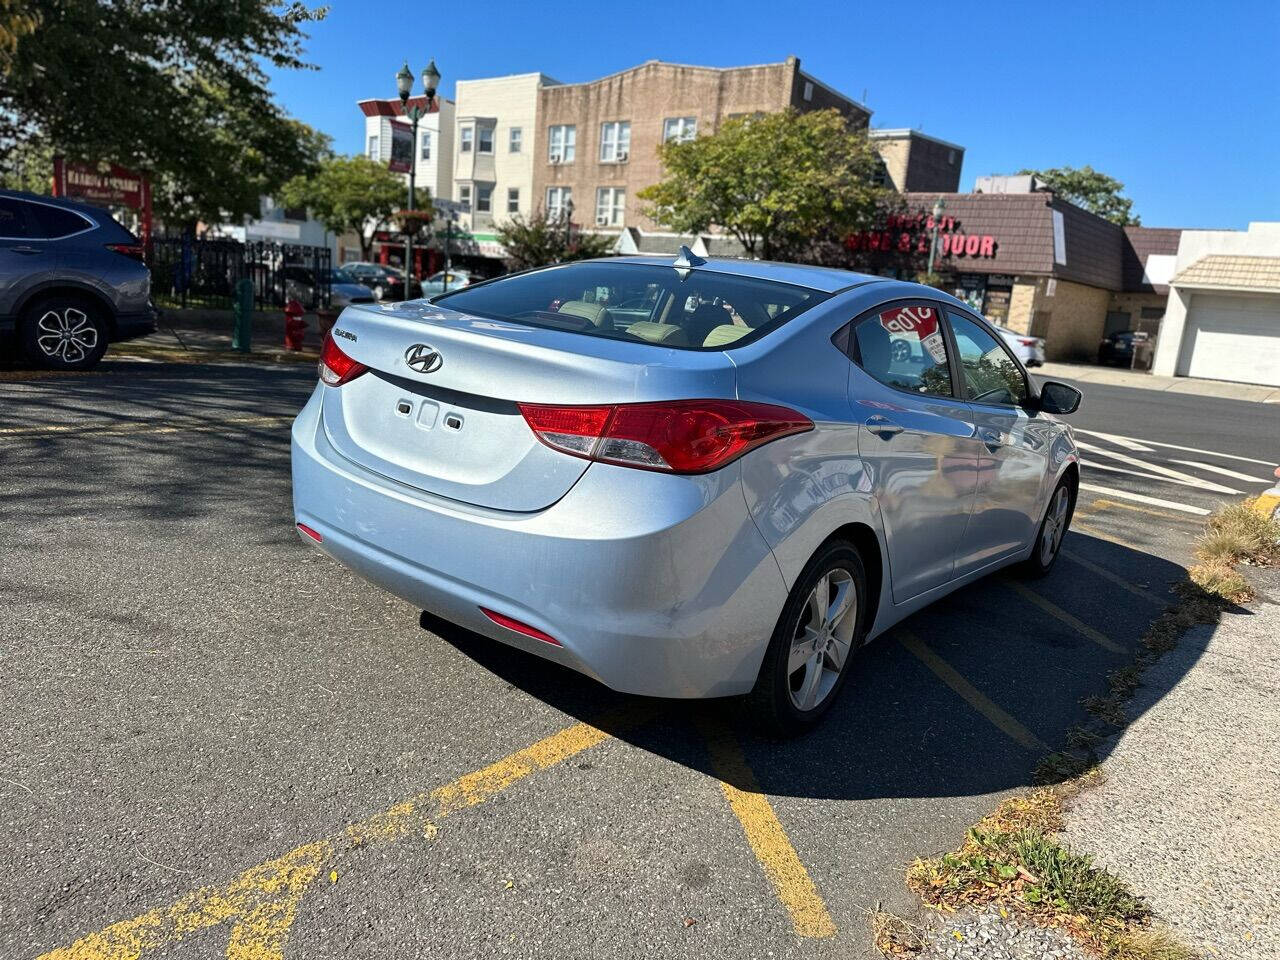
(336, 368)
(1027, 343)
(135, 251)
(677, 436)
(311, 533)
(504, 621)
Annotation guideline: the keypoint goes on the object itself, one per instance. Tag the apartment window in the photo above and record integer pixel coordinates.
(514, 139)
(679, 128)
(425, 146)
(808, 90)
(610, 202)
(558, 200)
(467, 134)
(486, 140)
(484, 198)
(615, 141)
(513, 200)
(464, 197)
(371, 151)
(561, 142)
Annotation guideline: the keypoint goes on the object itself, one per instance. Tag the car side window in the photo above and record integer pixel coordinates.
(903, 347)
(13, 219)
(53, 223)
(989, 371)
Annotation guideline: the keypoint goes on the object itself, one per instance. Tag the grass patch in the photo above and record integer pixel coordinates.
(1235, 534)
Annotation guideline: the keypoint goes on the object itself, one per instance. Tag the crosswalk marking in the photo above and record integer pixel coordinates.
(1155, 468)
(1141, 498)
(1091, 465)
(1114, 438)
(1221, 471)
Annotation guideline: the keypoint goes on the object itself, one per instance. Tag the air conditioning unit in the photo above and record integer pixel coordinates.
(555, 158)
(622, 156)
(602, 221)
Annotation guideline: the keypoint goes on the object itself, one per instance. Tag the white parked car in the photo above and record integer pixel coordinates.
(1028, 349)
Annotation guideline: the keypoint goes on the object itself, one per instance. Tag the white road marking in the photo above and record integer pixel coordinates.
(1185, 478)
(1125, 442)
(1219, 470)
(1089, 465)
(1139, 498)
(1173, 446)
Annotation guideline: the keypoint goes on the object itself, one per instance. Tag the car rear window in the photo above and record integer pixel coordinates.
(55, 222)
(639, 303)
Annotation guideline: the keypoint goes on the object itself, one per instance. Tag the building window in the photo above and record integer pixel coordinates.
(682, 129)
(486, 140)
(615, 141)
(464, 197)
(484, 198)
(610, 202)
(467, 134)
(513, 200)
(808, 91)
(426, 146)
(513, 140)
(558, 200)
(561, 143)
(371, 151)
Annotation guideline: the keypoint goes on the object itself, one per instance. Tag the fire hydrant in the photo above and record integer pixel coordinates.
(295, 327)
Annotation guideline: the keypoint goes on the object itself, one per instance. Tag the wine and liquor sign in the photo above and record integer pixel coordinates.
(110, 186)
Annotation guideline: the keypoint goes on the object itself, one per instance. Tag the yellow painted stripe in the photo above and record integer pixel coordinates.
(971, 695)
(1118, 580)
(1074, 622)
(261, 902)
(765, 834)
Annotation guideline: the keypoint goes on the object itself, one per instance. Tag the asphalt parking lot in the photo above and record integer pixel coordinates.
(220, 743)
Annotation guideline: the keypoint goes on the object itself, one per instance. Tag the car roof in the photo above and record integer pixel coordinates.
(825, 279)
(67, 203)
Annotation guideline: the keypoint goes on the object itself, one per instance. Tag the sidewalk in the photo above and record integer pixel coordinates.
(1116, 377)
(1187, 810)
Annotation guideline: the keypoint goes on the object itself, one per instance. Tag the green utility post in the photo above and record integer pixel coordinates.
(243, 310)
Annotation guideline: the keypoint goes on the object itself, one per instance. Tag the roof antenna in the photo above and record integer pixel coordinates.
(687, 260)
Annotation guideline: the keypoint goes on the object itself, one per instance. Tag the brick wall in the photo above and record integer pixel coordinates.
(1078, 313)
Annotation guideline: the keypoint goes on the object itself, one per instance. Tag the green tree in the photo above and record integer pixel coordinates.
(177, 88)
(351, 194)
(773, 181)
(540, 239)
(1091, 189)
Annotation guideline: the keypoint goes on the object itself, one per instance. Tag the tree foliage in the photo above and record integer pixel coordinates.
(177, 88)
(350, 194)
(540, 239)
(1091, 189)
(773, 181)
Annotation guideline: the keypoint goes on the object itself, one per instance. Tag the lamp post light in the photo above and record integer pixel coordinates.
(404, 85)
(938, 206)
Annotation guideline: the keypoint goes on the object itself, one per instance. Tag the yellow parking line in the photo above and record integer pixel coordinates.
(1072, 621)
(262, 901)
(1119, 581)
(948, 674)
(765, 834)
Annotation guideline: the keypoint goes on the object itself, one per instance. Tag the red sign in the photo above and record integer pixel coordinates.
(921, 321)
(115, 187)
(913, 233)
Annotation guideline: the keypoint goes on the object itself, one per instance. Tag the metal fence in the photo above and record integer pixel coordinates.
(199, 272)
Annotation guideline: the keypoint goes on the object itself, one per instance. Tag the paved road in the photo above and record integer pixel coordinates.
(218, 742)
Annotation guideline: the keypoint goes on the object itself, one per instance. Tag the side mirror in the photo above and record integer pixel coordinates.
(1059, 398)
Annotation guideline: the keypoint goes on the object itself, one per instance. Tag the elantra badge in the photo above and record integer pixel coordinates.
(423, 358)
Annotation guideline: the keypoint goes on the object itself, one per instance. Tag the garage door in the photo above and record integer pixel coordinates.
(1232, 338)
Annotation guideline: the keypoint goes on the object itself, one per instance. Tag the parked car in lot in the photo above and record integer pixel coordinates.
(385, 282)
(1118, 349)
(72, 280)
(300, 283)
(435, 284)
(1028, 349)
(728, 496)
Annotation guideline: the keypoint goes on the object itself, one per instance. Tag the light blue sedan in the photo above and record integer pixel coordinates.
(684, 479)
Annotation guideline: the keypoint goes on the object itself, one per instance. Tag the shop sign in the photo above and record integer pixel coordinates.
(913, 233)
(112, 186)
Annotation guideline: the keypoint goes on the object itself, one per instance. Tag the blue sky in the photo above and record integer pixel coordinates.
(1180, 100)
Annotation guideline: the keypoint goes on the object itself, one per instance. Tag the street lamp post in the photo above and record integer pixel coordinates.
(404, 84)
(568, 224)
(938, 206)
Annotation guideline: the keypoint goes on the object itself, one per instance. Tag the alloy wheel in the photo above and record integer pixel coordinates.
(1055, 525)
(66, 334)
(823, 639)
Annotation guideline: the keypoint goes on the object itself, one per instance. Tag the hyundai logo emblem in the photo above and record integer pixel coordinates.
(423, 358)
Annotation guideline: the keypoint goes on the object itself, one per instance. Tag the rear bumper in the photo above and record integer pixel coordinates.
(653, 584)
(132, 325)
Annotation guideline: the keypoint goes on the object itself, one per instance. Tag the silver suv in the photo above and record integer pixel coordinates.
(72, 280)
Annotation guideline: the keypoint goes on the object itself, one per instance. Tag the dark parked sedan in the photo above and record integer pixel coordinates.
(1118, 349)
(72, 280)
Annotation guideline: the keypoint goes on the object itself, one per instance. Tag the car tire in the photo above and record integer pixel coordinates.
(377, 291)
(789, 698)
(1052, 531)
(64, 332)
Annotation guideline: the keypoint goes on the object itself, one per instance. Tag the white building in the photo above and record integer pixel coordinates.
(434, 148)
(496, 124)
(278, 224)
(1222, 321)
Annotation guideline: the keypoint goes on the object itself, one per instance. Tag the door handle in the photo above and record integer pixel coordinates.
(883, 427)
(26, 250)
(990, 439)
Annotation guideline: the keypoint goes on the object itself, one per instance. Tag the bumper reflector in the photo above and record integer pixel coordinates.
(518, 627)
(310, 533)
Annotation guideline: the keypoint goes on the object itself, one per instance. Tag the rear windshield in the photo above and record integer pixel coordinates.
(639, 303)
